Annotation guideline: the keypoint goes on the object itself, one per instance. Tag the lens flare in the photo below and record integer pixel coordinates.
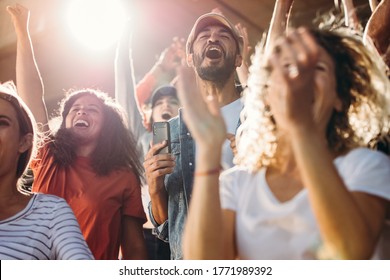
(97, 24)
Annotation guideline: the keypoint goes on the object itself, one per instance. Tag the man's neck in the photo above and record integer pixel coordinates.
(226, 94)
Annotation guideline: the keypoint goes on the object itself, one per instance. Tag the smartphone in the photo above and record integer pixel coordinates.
(160, 133)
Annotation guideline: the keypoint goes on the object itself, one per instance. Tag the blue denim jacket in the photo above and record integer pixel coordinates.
(179, 187)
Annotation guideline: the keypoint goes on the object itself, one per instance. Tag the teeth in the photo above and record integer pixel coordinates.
(213, 52)
(81, 123)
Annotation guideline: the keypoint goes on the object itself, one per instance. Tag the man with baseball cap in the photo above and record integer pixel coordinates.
(213, 19)
(214, 52)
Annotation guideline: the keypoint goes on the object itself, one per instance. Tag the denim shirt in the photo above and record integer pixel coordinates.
(178, 185)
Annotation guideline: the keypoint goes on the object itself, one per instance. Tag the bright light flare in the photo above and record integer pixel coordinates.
(97, 24)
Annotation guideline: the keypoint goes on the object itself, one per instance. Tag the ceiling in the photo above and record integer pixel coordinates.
(64, 64)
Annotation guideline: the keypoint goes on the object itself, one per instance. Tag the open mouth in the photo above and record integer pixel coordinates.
(81, 123)
(214, 52)
(166, 116)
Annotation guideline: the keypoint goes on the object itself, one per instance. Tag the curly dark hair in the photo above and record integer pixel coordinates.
(116, 147)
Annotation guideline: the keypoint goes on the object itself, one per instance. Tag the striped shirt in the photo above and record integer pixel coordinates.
(46, 229)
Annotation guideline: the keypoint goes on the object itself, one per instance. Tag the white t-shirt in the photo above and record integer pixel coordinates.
(46, 229)
(231, 115)
(269, 229)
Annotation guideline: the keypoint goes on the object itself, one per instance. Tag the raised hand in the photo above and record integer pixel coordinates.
(157, 166)
(20, 17)
(291, 92)
(243, 71)
(232, 139)
(173, 55)
(28, 78)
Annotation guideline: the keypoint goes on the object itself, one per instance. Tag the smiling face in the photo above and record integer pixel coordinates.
(215, 54)
(165, 108)
(325, 97)
(85, 118)
(12, 143)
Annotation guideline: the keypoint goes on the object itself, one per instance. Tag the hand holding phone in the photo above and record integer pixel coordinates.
(160, 133)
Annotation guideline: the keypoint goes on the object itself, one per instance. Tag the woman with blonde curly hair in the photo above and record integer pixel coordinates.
(305, 186)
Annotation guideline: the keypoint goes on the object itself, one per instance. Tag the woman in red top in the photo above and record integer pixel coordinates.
(91, 160)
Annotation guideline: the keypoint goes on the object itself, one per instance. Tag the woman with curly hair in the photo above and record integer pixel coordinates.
(33, 226)
(305, 186)
(91, 160)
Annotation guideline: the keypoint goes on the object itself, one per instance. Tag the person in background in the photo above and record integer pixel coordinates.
(161, 74)
(376, 36)
(33, 226)
(210, 45)
(377, 31)
(163, 105)
(91, 160)
(214, 52)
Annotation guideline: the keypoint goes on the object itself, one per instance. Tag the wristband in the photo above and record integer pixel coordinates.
(208, 172)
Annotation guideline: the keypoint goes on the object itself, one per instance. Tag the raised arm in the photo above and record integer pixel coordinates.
(377, 30)
(125, 84)
(373, 4)
(208, 230)
(162, 73)
(279, 22)
(28, 78)
(350, 15)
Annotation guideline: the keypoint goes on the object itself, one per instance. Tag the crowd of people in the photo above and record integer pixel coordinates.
(285, 157)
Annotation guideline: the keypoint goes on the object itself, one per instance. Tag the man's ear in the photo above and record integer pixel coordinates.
(190, 61)
(25, 142)
(239, 53)
(238, 61)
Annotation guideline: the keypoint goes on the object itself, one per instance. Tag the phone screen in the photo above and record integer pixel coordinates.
(160, 133)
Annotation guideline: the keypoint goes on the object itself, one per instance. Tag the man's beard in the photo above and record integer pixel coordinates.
(217, 74)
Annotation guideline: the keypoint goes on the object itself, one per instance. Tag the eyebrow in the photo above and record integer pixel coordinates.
(222, 29)
(5, 117)
(88, 105)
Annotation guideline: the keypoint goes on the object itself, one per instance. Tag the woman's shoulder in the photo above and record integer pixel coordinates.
(364, 157)
(240, 170)
(240, 174)
(49, 199)
(365, 170)
(50, 205)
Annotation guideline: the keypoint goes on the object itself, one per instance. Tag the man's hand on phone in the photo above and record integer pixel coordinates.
(157, 166)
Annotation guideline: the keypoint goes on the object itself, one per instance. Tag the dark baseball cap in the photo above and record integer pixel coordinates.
(163, 91)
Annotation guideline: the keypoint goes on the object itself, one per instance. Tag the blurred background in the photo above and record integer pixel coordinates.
(75, 40)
